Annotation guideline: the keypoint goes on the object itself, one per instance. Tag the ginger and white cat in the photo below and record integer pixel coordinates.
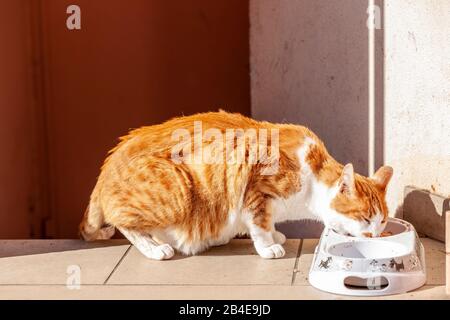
(160, 204)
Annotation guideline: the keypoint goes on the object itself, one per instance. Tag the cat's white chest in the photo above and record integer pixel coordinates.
(295, 207)
(298, 206)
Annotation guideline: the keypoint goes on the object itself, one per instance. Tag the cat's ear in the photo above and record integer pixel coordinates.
(383, 176)
(347, 180)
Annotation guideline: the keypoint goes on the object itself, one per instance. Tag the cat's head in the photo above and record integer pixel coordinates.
(358, 205)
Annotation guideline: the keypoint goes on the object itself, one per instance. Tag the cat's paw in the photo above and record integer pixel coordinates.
(160, 252)
(274, 251)
(163, 252)
(278, 237)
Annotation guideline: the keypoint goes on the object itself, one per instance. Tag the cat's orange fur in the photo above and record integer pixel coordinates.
(141, 189)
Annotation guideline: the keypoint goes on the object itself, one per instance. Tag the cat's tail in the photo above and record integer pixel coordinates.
(93, 227)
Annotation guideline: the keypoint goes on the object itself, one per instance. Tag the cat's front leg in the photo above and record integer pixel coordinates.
(263, 240)
(278, 237)
(265, 244)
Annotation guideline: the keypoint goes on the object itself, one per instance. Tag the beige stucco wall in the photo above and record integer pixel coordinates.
(309, 65)
(417, 95)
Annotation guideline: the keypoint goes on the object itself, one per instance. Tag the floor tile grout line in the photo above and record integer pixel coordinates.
(299, 252)
(174, 285)
(117, 265)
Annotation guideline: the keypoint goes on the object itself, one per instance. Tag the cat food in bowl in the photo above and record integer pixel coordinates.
(386, 234)
(385, 265)
(393, 227)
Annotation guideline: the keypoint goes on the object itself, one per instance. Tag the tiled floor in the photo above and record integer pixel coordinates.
(41, 269)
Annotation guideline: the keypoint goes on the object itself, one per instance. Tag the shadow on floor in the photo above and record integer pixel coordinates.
(305, 229)
(14, 248)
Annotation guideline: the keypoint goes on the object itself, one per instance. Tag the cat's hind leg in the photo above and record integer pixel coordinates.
(147, 245)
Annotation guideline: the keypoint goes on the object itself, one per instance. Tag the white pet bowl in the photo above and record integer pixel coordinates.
(369, 267)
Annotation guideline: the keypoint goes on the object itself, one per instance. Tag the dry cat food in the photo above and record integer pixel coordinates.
(370, 235)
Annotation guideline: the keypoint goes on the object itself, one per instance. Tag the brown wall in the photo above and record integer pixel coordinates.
(16, 172)
(133, 63)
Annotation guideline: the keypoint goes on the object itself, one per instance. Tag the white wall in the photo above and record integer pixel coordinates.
(417, 95)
